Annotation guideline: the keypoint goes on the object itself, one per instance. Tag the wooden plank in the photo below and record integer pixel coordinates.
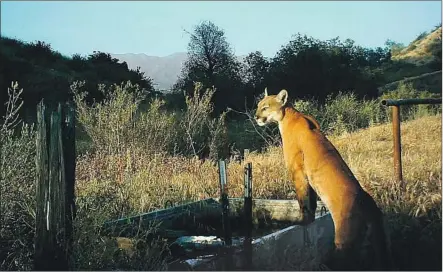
(165, 217)
(271, 209)
(266, 209)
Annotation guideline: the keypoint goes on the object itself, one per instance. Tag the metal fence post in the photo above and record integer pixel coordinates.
(395, 104)
(397, 143)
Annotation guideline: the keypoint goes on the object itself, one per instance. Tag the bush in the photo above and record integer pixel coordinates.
(117, 124)
(346, 113)
(410, 112)
(343, 113)
(198, 133)
(17, 188)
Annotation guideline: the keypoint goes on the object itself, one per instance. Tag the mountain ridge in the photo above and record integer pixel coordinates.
(164, 71)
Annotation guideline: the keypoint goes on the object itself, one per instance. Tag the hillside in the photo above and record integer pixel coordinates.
(43, 72)
(419, 64)
(423, 50)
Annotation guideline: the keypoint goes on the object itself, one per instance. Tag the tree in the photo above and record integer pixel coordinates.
(211, 62)
(395, 47)
(255, 70)
(310, 68)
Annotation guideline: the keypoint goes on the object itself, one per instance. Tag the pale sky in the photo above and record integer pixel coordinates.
(156, 28)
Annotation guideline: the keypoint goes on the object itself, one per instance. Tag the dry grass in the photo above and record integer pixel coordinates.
(369, 153)
(149, 183)
(131, 183)
(153, 181)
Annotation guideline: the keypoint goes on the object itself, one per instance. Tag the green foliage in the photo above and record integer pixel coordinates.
(420, 36)
(255, 70)
(399, 70)
(117, 124)
(17, 206)
(346, 113)
(343, 113)
(394, 47)
(119, 129)
(310, 107)
(17, 172)
(310, 68)
(218, 144)
(409, 112)
(198, 133)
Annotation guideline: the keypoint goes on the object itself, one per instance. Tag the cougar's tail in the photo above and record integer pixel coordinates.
(378, 234)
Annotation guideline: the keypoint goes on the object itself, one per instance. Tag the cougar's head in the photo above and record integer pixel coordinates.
(270, 108)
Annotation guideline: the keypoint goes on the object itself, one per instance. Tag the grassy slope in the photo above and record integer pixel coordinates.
(419, 51)
(417, 63)
(369, 153)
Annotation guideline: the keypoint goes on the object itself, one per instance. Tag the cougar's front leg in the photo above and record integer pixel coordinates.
(306, 196)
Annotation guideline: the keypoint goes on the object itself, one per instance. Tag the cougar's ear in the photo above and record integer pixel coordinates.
(282, 97)
(266, 91)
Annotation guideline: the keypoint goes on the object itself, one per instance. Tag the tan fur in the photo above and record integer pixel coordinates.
(316, 167)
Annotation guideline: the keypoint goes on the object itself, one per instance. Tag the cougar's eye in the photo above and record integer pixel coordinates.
(264, 108)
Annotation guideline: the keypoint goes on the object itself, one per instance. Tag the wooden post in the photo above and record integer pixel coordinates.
(224, 202)
(245, 153)
(55, 164)
(227, 250)
(247, 244)
(69, 154)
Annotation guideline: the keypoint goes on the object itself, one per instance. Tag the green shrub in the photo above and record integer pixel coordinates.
(17, 188)
(343, 113)
(409, 112)
(118, 124)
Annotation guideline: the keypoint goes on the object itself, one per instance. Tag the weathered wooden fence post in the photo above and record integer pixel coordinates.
(224, 202)
(227, 250)
(55, 162)
(247, 244)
